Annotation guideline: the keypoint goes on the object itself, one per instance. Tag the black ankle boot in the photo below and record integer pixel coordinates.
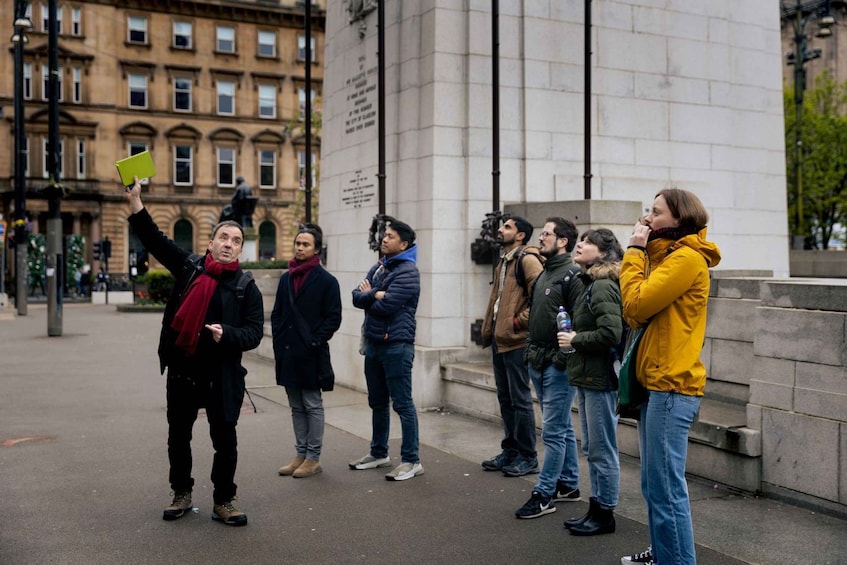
(601, 522)
(592, 506)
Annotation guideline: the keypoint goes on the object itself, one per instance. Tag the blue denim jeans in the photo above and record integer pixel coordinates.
(600, 443)
(388, 372)
(666, 418)
(515, 397)
(307, 417)
(561, 462)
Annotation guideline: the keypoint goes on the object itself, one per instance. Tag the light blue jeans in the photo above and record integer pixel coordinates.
(307, 417)
(561, 462)
(666, 418)
(600, 443)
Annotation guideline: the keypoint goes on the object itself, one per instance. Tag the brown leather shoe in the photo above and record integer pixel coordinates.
(309, 468)
(291, 467)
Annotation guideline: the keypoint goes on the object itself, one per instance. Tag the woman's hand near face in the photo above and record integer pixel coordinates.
(640, 233)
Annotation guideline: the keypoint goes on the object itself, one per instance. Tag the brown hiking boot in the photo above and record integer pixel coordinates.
(180, 505)
(229, 514)
(309, 468)
(291, 467)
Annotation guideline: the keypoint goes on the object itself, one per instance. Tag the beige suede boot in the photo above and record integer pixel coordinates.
(291, 467)
(309, 468)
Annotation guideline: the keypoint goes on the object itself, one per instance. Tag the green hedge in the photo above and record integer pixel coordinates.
(265, 264)
(160, 283)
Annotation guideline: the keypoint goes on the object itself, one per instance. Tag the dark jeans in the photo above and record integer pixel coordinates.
(185, 398)
(388, 371)
(515, 395)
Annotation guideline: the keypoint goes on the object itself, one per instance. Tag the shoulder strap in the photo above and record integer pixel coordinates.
(240, 288)
(565, 283)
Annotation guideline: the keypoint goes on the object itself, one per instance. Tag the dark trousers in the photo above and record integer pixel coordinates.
(185, 398)
(515, 396)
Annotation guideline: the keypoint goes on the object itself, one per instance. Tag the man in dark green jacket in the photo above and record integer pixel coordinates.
(546, 362)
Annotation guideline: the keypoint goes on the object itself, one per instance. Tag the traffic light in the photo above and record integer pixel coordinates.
(106, 248)
(98, 251)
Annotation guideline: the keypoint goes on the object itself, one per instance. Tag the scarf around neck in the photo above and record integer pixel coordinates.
(299, 271)
(189, 319)
(671, 233)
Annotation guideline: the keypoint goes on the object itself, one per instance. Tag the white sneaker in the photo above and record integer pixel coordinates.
(643, 558)
(405, 471)
(369, 462)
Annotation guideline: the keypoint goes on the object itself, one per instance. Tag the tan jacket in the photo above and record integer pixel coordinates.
(510, 330)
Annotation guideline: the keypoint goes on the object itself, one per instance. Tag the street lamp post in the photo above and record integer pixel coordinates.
(19, 39)
(800, 14)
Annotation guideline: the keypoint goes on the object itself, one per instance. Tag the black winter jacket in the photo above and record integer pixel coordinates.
(242, 322)
(298, 348)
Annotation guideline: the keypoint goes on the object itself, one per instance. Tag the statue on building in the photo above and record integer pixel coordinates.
(242, 205)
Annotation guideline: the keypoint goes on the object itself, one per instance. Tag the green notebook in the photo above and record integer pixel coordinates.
(139, 165)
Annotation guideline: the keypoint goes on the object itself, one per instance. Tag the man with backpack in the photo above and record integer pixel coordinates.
(559, 476)
(505, 330)
(214, 314)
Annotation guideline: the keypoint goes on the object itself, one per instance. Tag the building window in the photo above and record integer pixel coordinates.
(226, 98)
(183, 165)
(45, 73)
(301, 47)
(27, 81)
(45, 18)
(136, 147)
(46, 159)
(226, 39)
(267, 44)
(301, 158)
(76, 21)
(267, 101)
(59, 19)
(25, 152)
(137, 91)
(301, 97)
(184, 234)
(182, 94)
(77, 84)
(226, 166)
(182, 35)
(137, 29)
(267, 169)
(80, 158)
(267, 240)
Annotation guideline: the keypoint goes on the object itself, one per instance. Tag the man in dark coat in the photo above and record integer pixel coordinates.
(306, 314)
(213, 315)
(389, 296)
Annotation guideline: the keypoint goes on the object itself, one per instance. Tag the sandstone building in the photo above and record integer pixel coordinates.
(214, 89)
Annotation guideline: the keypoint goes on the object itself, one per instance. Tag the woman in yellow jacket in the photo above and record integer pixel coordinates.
(665, 282)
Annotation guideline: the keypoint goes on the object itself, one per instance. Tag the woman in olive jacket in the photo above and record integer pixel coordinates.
(597, 325)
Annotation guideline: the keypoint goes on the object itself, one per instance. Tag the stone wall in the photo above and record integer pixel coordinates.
(777, 347)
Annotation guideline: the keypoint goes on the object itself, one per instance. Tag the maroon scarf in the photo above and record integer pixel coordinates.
(189, 319)
(299, 271)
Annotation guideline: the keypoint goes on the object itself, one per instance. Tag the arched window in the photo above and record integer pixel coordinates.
(267, 240)
(184, 235)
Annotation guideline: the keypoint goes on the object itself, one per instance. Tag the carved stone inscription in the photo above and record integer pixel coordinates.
(361, 98)
(359, 191)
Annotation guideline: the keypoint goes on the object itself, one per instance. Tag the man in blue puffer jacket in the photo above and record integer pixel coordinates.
(389, 296)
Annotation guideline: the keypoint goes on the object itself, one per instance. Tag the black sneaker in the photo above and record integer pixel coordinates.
(521, 466)
(645, 557)
(565, 494)
(537, 505)
(499, 461)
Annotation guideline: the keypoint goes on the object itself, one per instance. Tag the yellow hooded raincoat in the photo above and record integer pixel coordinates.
(669, 287)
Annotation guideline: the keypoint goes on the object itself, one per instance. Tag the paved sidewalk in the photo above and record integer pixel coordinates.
(83, 476)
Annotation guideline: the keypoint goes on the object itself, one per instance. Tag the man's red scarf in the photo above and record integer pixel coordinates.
(191, 315)
(299, 271)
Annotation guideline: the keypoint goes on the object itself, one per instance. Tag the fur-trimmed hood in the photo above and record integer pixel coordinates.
(605, 270)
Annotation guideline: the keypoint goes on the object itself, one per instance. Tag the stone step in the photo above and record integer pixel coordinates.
(721, 447)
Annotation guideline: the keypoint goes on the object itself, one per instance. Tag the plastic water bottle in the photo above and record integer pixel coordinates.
(563, 323)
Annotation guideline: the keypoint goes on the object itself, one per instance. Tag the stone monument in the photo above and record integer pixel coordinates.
(687, 95)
